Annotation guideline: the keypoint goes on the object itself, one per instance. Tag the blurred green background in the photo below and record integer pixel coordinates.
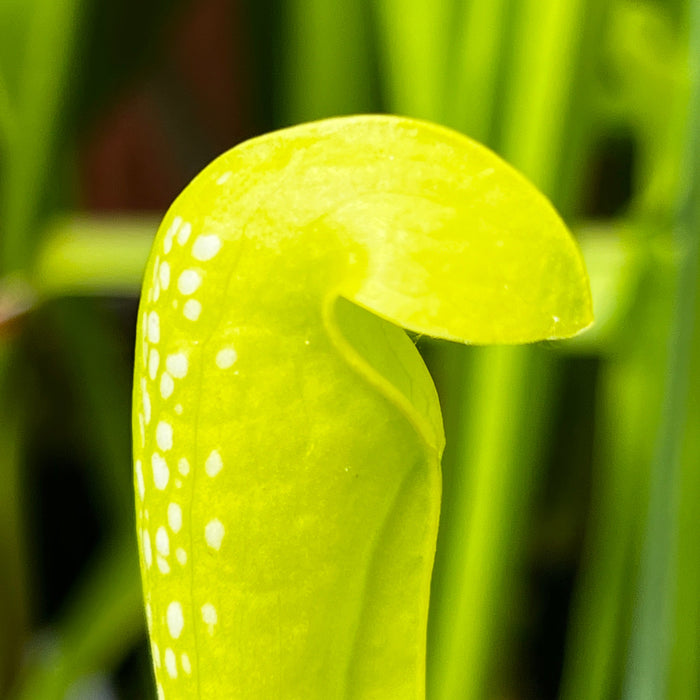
(568, 560)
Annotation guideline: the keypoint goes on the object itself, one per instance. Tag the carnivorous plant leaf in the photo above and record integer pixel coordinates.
(287, 435)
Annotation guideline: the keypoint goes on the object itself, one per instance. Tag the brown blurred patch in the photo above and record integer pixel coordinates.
(189, 106)
(128, 163)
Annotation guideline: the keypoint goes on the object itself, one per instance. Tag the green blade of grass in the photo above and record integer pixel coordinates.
(328, 60)
(653, 630)
(44, 74)
(475, 64)
(631, 392)
(545, 52)
(7, 118)
(653, 627)
(15, 19)
(604, 616)
(685, 661)
(413, 36)
(489, 481)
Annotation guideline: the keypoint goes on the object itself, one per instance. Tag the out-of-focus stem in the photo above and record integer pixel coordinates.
(84, 256)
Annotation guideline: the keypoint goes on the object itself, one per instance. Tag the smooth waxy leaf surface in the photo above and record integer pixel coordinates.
(287, 440)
